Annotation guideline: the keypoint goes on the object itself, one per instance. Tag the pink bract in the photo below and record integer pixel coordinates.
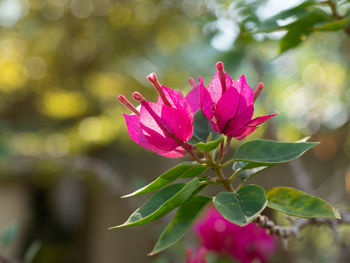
(244, 244)
(196, 256)
(164, 125)
(229, 105)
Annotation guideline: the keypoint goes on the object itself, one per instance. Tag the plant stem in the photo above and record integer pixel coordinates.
(333, 7)
(221, 154)
(336, 15)
(221, 179)
(189, 150)
(233, 176)
(225, 182)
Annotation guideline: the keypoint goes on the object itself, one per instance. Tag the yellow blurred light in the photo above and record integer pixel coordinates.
(53, 10)
(81, 8)
(121, 15)
(178, 78)
(336, 78)
(82, 49)
(168, 40)
(49, 39)
(12, 49)
(63, 104)
(112, 127)
(146, 13)
(288, 132)
(35, 68)
(106, 85)
(102, 8)
(12, 76)
(28, 144)
(36, 4)
(57, 145)
(91, 128)
(314, 73)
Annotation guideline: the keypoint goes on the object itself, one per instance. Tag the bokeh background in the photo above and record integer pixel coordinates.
(65, 155)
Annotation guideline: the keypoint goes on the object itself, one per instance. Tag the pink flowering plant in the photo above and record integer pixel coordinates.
(203, 124)
(249, 243)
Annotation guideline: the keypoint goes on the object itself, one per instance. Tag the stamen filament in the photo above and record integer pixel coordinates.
(258, 90)
(153, 79)
(128, 104)
(220, 68)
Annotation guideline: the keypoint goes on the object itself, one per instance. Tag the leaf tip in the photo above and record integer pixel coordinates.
(119, 226)
(155, 250)
(336, 213)
(131, 194)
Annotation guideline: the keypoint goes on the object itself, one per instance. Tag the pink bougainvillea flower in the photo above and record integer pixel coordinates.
(163, 126)
(228, 104)
(244, 244)
(193, 97)
(199, 256)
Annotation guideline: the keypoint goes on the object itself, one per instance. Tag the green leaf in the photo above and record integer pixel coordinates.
(201, 128)
(266, 153)
(245, 165)
(185, 170)
(334, 25)
(181, 223)
(195, 170)
(161, 203)
(247, 174)
(298, 12)
(293, 38)
(209, 146)
(305, 139)
(242, 207)
(199, 188)
(247, 171)
(297, 203)
(299, 30)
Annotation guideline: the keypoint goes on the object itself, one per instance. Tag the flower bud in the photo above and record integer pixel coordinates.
(258, 90)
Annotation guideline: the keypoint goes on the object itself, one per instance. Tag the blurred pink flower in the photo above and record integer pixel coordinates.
(163, 126)
(244, 244)
(199, 256)
(228, 104)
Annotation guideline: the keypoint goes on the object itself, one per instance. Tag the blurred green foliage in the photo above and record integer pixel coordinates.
(8, 234)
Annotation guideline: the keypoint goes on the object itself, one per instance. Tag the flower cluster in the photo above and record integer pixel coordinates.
(163, 126)
(244, 244)
(166, 126)
(228, 105)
